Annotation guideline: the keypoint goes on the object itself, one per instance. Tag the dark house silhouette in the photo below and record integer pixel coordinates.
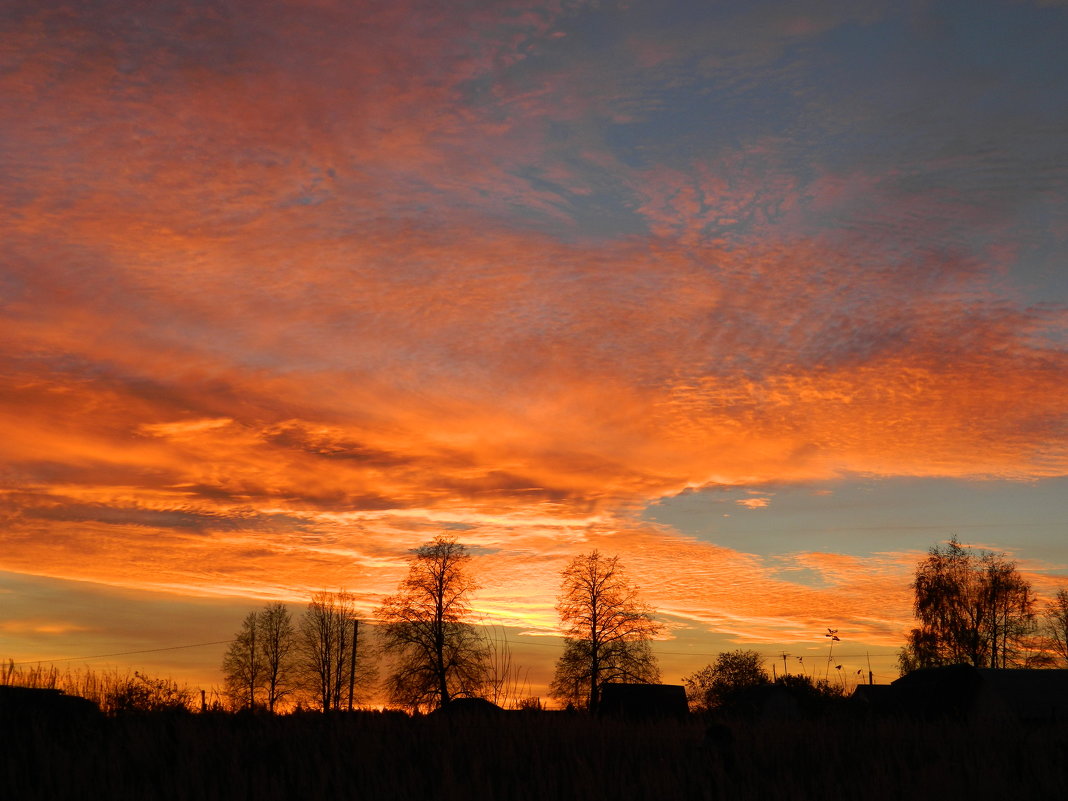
(873, 699)
(964, 691)
(643, 701)
(479, 707)
(19, 705)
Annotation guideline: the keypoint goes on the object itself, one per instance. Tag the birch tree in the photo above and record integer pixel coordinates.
(972, 606)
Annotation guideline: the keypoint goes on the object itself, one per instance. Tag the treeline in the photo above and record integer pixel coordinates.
(972, 606)
(430, 650)
(732, 684)
(975, 607)
(424, 650)
(275, 661)
(324, 659)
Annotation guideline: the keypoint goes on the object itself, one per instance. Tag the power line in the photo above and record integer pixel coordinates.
(776, 655)
(121, 653)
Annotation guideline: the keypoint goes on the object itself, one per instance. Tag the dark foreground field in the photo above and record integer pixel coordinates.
(537, 756)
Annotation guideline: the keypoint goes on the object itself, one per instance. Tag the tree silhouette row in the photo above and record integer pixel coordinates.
(972, 607)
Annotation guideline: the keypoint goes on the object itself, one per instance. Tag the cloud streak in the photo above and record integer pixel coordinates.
(288, 290)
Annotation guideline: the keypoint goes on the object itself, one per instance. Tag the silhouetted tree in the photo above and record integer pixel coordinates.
(326, 648)
(802, 686)
(607, 631)
(242, 665)
(973, 606)
(1055, 625)
(258, 668)
(921, 650)
(276, 642)
(437, 654)
(812, 696)
(720, 683)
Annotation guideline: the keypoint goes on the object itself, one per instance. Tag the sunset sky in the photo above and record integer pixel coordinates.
(764, 297)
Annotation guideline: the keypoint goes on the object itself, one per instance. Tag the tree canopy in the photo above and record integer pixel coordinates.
(1055, 620)
(973, 607)
(437, 654)
(331, 655)
(719, 683)
(242, 665)
(607, 631)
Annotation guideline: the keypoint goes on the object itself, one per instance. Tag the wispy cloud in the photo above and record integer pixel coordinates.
(289, 289)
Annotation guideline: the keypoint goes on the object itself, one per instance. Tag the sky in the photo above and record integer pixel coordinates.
(765, 298)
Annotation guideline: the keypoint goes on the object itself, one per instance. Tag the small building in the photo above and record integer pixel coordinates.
(469, 707)
(873, 699)
(19, 705)
(643, 701)
(984, 693)
(764, 703)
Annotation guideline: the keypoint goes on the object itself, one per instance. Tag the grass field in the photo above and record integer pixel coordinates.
(522, 756)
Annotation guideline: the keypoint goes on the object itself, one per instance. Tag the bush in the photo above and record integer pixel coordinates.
(725, 680)
(141, 693)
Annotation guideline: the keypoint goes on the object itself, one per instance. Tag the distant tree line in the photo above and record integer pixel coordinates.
(972, 606)
(315, 660)
(735, 680)
(432, 650)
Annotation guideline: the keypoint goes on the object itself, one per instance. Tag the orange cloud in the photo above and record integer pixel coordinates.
(46, 627)
(280, 304)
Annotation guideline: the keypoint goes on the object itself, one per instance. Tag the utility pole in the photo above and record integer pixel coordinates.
(352, 660)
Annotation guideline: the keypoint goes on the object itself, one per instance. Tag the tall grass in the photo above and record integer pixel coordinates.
(112, 690)
(526, 756)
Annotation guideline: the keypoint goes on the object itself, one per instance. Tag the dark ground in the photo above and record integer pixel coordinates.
(523, 756)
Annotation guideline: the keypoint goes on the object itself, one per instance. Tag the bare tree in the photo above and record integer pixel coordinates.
(437, 654)
(242, 668)
(973, 606)
(1055, 623)
(276, 643)
(607, 631)
(258, 665)
(330, 665)
(505, 683)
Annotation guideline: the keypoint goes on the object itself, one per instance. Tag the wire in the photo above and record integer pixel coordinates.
(777, 655)
(122, 653)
